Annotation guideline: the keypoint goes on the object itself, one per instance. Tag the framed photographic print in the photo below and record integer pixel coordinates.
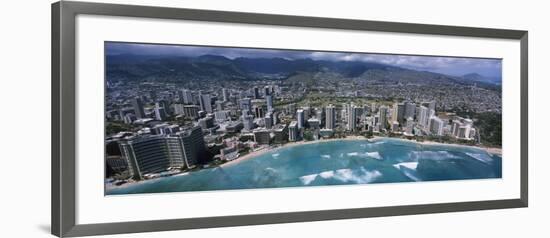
(166, 119)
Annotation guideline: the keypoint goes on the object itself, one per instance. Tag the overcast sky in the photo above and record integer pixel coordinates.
(445, 65)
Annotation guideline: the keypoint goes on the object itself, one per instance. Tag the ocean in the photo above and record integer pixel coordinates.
(334, 162)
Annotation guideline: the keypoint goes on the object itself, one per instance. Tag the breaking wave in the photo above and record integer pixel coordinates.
(307, 179)
(408, 169)
(433, 155)
(481, 157)
(347, 175)
(372, 155)
(327, 174)
(409, 165)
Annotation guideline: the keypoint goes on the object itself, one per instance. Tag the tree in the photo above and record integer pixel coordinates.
(368, 134)
(308, 136)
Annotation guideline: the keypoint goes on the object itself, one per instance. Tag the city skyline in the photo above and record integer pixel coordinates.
(207, 122)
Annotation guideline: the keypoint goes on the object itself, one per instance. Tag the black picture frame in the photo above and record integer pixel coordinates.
(64, 133)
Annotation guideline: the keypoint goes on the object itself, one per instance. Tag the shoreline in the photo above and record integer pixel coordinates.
(262, 151)
(490, 150)
(287, 145)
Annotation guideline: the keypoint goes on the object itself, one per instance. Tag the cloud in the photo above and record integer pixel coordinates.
(438, 64)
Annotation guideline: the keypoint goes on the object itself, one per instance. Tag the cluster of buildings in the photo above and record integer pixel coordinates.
(156, 153)
(169, 131)
(406, 118)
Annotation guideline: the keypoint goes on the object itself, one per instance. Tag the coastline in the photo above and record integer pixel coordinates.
(272, 149)
(490, 150)
(287, 145)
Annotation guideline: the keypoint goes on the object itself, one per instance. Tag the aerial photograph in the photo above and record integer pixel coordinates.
(187, 118)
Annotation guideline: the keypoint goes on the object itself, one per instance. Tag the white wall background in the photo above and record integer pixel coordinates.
(25, 117)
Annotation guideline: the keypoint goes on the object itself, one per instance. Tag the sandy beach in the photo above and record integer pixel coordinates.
(288, 145)
(273, 149)
(490, 150)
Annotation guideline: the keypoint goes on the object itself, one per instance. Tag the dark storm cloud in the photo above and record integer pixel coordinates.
(445, 65)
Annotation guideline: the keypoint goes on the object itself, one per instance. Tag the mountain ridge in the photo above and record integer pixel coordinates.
(208, 66)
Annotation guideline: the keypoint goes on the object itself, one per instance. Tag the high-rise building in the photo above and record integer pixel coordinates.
(423, 116)
(138, 107)
(206, 123)
(269, 101)
(468, 123)
(166, 105)
(462, 128)
(383, 117)
(205, 102)
(245, 104)
(307, 112)
(280, 133)
(344, 113)
(313, 123)
(330, 117)
(398, 112)
(293, 131)
(201, 103)
(160, 113)
(225, 94)
(123, 112)
(181, 97)
(409, 110)
(275, 118)
(456, 125)
(259, 111)
(436, 126)
(300, 116)
(369, 123)
(320, 114)
(267, 91)
(191, 111)
(178, 108)
(473, 133)
(394, 126)
(248, 122)
(221, 116)
(352, 118)
(409, 126)
(186, 96)
(192, 143)
(262, 136)
(151, 154)
(431, 105)
(256, 92)
(268, 121)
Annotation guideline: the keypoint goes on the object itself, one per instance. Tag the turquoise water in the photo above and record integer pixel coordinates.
(336, 162)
